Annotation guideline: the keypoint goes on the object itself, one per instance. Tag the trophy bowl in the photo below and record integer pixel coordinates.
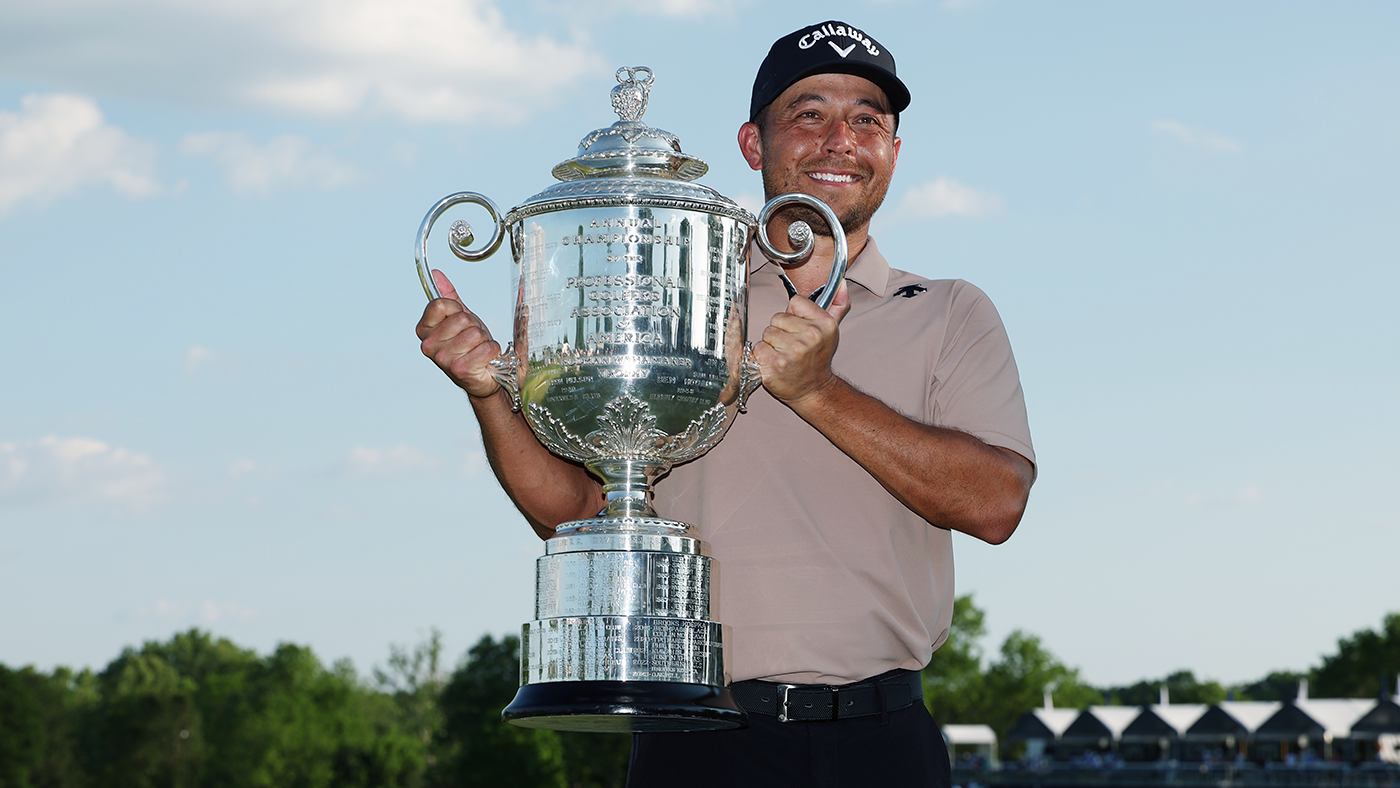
(628, 356)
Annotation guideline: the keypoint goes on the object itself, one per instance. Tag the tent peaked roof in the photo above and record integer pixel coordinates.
(1233, 718)
(1324, 717)
(1098, 722)
(1043, 724)
(1158, 721)
(1384, 718)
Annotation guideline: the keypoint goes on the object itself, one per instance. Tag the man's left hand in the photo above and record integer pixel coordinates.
(797, 346)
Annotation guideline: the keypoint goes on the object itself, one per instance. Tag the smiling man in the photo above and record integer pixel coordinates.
(883, 425)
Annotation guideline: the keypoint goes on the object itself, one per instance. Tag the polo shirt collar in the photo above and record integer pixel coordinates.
(870, 270)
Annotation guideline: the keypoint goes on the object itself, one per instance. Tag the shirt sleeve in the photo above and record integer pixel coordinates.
(976, 386)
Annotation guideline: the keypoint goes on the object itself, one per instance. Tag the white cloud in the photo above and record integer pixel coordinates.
(396, 462)
(1196, 137)
(58, 142)
(945, 197)
(428, 60)
(573, 15)
(210, 612)
(402, 461)
(693, 9)
(950, 5)
(1250, 495)
(72, 470)
(168, 611)
(198, 357)
(241, 468)
(285, 161)
(474, 462)
(248, 473)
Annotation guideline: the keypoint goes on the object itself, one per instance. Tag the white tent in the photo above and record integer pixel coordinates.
(1230, 724)
(1100, 726)
(1039, 728)
(1170, 721)
(1382, 720)
(1159, 729)
(1308, 720)
(976, 739)
(1046, 724)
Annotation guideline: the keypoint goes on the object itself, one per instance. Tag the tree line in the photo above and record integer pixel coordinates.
(201, 712)
(961, 685)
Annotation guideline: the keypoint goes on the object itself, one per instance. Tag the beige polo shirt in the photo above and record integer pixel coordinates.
(823, 576)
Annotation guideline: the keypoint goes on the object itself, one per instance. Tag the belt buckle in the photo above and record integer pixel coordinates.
(783, 701)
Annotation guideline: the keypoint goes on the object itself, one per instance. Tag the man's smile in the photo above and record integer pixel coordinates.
(833, 177)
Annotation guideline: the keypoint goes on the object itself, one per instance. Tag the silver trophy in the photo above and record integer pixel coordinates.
(631, 296)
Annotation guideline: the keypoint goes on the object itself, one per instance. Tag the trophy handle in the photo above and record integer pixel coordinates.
(504, 368)
(459, 237)
(750, 377)
(801, 236)
(800, 233)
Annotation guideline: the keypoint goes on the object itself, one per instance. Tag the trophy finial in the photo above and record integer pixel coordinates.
(630, 148)
(629, 98)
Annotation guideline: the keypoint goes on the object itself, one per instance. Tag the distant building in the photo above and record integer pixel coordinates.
(1306, 730)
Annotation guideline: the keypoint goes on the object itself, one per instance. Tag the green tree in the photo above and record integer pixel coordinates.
(218, 675)
(960, 688)
(475, 748)
(1365, 663)
(1182, 687)
(1278, 685)
(309, 727)
(23, 738)
(64, 697)
(202, 712)
(1024, 671)
(954, 681)
(145, 728)
(415, 680)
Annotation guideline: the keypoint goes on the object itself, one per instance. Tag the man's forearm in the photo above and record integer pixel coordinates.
(546, 488)
(950, 478)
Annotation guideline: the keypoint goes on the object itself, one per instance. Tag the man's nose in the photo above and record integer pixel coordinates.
(839, 137)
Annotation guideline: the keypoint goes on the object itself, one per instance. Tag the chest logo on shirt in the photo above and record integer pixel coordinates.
(909, 291)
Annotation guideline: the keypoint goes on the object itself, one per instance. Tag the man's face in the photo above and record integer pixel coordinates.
(830, 136)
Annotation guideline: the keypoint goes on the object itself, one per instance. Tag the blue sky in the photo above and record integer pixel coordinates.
(214, 411)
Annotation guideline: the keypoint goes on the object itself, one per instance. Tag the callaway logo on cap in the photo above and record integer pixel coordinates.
(828, 48)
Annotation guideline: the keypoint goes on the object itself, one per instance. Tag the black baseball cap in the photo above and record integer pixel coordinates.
(828, 48)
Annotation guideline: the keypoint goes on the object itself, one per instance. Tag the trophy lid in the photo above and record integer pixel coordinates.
(630, 147)
(630, 163)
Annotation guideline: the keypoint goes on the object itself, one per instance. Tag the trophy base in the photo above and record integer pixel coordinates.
(624, 707)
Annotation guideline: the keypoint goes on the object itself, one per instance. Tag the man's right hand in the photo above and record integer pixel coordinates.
(547, 489)
(458, 342)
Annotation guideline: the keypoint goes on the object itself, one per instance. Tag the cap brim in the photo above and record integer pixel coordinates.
(894, 89)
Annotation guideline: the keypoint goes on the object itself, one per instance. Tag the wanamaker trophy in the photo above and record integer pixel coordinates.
(631, 294)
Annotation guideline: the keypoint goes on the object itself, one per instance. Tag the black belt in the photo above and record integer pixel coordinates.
(810, 702)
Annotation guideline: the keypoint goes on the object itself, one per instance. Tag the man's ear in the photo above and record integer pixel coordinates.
(751, 145)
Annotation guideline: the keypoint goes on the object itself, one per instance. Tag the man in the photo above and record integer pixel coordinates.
(883, 422)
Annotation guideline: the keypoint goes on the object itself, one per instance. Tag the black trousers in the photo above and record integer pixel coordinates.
(906, 748)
